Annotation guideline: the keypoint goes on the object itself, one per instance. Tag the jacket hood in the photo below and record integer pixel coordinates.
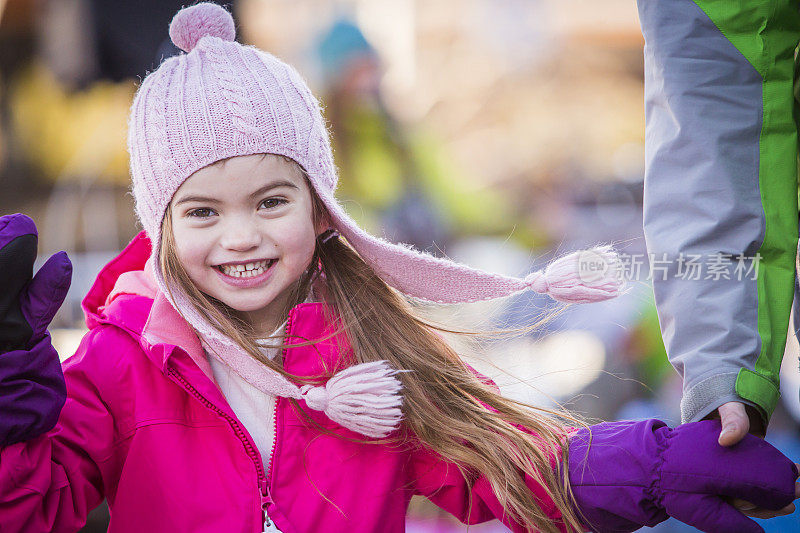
(125, 274)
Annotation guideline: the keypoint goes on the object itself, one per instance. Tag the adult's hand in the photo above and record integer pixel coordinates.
(737, 421)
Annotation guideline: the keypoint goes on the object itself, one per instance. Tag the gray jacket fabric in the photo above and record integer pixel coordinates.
(720, 198)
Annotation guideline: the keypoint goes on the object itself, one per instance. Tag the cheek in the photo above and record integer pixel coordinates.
(190, 250)
(298, 241)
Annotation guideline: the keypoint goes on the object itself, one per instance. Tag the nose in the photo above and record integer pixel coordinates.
(240, 235)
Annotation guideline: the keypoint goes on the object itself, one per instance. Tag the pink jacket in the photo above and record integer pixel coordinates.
(146, 427)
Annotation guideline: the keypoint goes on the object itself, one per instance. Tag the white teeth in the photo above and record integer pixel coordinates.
(247, 270)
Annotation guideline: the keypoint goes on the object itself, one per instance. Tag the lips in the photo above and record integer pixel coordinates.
(246, 270)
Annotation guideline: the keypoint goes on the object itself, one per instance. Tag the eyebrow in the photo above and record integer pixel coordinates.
(253, 195)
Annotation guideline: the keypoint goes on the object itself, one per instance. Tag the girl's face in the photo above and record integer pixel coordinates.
(251, 213)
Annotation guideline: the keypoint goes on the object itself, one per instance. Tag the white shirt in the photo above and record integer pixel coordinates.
(254, 408)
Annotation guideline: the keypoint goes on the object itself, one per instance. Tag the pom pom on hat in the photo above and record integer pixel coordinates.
(191, 24)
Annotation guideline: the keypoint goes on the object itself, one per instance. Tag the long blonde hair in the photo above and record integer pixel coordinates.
(446, 406)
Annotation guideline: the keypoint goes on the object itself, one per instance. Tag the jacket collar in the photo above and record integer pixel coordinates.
(166, 328)
(131, 260)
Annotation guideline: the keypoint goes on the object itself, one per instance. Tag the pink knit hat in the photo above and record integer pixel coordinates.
(222, 99)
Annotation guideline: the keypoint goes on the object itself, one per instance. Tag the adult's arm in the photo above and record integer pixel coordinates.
(721, 186)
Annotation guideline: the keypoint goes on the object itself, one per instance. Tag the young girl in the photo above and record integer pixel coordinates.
(253, 364)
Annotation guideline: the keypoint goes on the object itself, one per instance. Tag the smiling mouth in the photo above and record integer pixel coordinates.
(248, 270)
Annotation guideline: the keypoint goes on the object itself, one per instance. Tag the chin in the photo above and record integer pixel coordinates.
(248, 305)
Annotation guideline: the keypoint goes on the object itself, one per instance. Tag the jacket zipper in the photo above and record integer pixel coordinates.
(278, 399)
(269, 525)
(264, 481)
(249, 448)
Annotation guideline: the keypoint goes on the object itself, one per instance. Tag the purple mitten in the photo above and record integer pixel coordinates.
(627, 474)
(32, 390)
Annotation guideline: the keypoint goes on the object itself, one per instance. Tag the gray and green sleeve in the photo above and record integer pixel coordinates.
(721, 182)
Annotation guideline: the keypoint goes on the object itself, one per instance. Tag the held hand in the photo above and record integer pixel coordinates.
(738, 420)
(625, 475)
(755, 511)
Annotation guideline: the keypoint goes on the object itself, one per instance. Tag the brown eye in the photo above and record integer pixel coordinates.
(202, 212)
(272, 203)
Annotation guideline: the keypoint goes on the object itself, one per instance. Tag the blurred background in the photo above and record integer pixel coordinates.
(500, 133)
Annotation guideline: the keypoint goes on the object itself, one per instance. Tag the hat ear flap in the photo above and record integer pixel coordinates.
(436, 279)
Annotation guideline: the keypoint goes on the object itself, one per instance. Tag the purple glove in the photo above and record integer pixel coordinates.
(639, 473)
(32, 390)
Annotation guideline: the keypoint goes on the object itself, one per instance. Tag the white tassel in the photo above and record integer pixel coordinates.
(364, 398)
(585, 276)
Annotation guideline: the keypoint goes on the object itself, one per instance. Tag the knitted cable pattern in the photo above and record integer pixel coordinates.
(232, 91)
(161, 165)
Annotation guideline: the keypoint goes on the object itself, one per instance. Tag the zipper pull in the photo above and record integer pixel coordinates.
(269, 525)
